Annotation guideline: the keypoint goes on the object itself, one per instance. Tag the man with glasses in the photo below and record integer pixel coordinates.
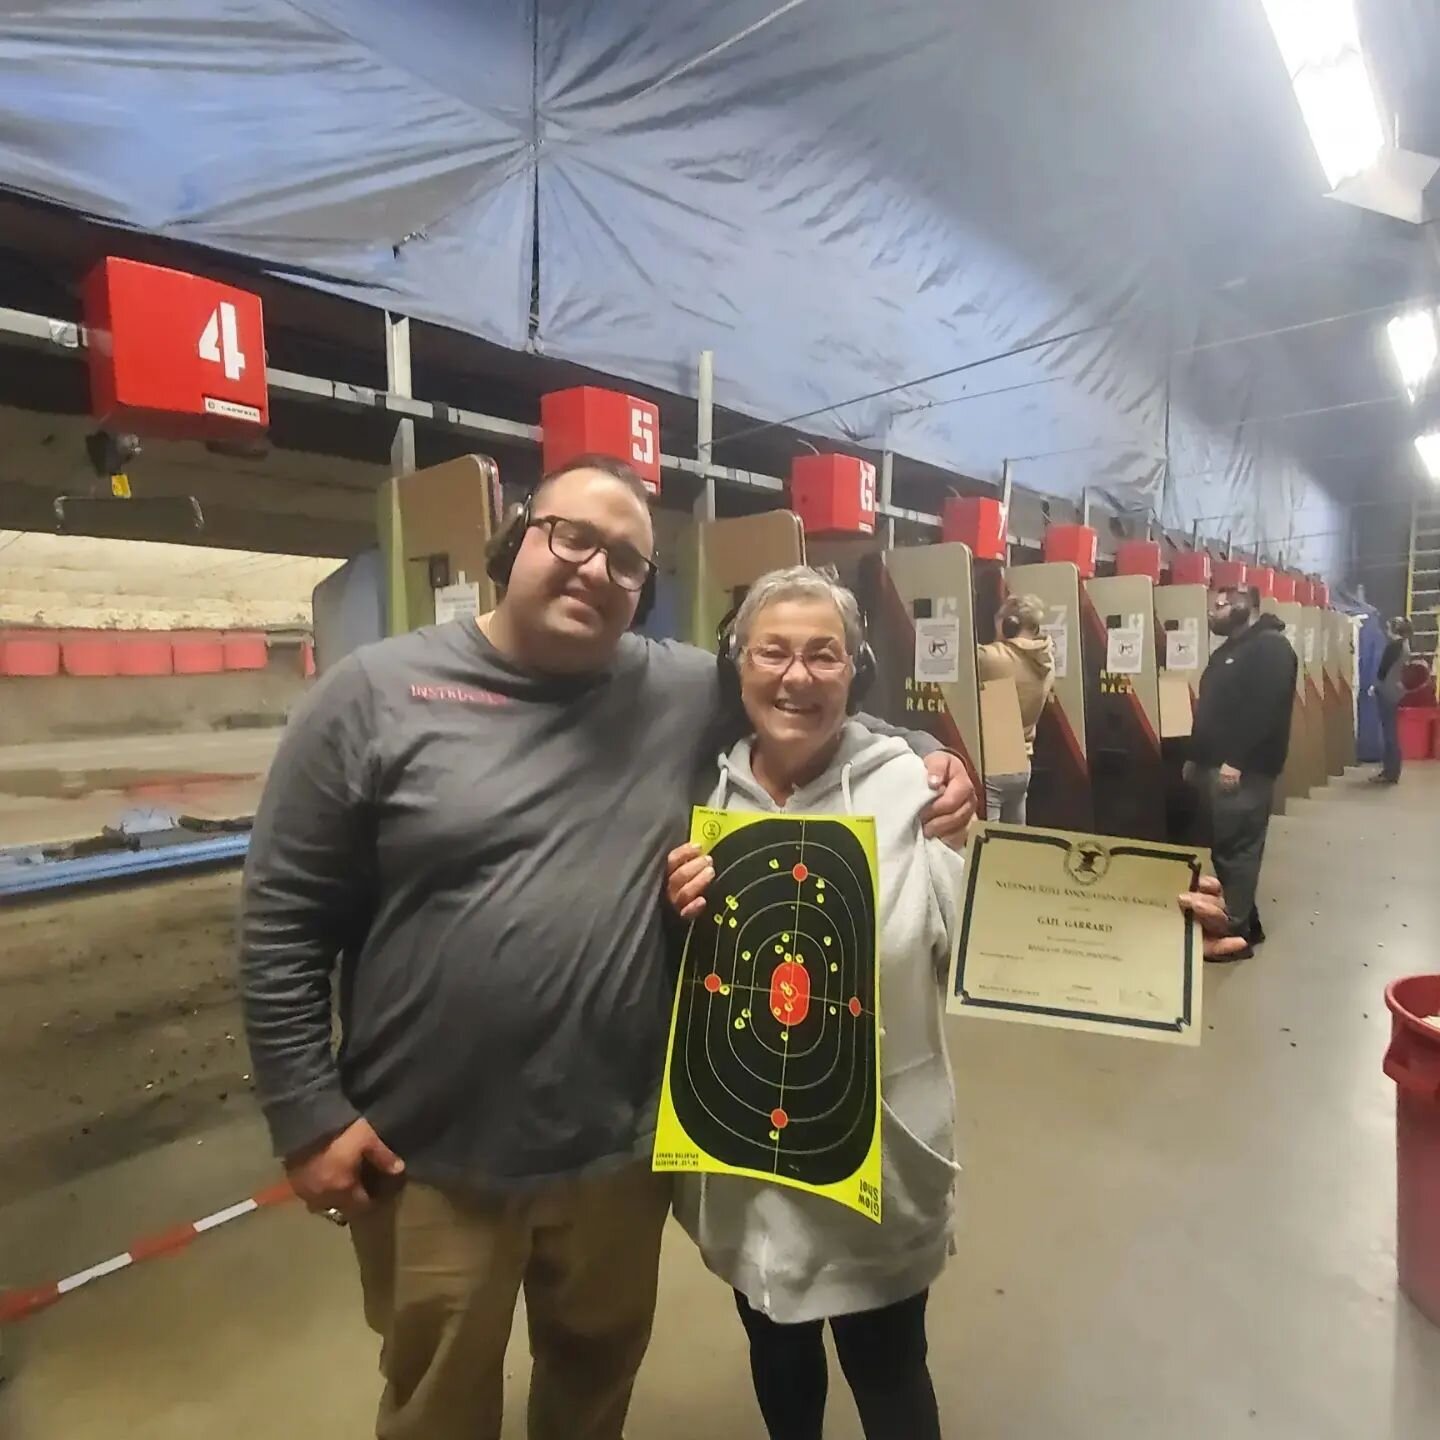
(1238, 746)
(474, 817)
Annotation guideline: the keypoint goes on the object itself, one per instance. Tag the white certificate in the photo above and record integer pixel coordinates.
(1079, 932)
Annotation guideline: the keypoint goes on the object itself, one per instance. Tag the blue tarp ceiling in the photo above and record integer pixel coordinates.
(835, 196)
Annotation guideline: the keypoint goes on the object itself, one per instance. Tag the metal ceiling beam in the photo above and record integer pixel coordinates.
(18, 327)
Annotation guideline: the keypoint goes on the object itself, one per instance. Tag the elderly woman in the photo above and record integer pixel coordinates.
(1026, 655)
(797, 1260)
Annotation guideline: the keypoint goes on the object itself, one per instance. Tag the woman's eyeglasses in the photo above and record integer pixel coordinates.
(822, 664)
(575, 542)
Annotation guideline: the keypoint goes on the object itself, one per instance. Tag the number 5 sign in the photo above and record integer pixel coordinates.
(172, 354)
(590, 421)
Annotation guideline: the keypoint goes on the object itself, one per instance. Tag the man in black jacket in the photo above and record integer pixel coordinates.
(1239, 743)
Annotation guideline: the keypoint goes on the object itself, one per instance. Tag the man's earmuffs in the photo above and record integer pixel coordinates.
(727, 665)
(504, 548)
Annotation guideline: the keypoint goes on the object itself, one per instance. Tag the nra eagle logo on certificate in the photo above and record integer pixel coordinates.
(1087, 862)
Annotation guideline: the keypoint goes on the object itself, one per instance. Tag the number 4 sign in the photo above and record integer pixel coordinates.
(172, 354)
(220, 341)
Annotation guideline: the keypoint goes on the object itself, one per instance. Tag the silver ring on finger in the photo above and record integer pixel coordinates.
(335, 1217)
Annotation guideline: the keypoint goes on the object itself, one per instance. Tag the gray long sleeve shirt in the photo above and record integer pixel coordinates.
(483, 850)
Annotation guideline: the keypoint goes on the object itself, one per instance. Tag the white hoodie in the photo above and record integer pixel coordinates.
(797, 1256)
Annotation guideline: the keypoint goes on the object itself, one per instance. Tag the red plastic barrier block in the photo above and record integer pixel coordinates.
(1078, 544)
(1321, 594)
(1138, 557)
(1190, 567)
(244, 651)
(144, 652)
(34, 654)
(92, 653)
(833, 494)
(1262, 578)
(1231, 575)
(977, 521)
(198, 652)
(1290, 587)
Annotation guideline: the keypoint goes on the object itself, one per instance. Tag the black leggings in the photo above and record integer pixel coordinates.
(882, 1353)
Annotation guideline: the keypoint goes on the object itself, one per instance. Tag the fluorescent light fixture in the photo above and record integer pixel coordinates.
(1429, 448)
(1413, 339)
(1319, 42)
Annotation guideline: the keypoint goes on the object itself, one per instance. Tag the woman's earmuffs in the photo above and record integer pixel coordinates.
(1010, 627)
(504, 549)
(727, 666)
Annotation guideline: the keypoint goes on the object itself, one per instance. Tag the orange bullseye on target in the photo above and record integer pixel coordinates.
(790, 993)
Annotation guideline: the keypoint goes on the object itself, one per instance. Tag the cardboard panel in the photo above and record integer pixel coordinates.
(1177, 706)
(1294, 783)
(1123, 706)
(922, 628)
(1060, 790)
(434, 525)
(730, 556)
(1002, 733)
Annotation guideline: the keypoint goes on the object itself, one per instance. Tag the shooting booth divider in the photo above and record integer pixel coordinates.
(1294, 784)
(1182, 638)
(921, 612)
(1339, 640)
(1312, 679)
(726, 557)
(434, 526)
(1123, 706)
(1060, 790)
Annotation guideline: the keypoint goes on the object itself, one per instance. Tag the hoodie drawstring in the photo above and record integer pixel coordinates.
(845, 788)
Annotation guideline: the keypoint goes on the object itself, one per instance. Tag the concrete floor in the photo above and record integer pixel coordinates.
(1156, 1242)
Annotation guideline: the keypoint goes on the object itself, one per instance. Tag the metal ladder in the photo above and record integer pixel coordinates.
(1422, 589)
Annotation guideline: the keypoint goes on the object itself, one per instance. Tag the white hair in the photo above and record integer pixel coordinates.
(801, 582)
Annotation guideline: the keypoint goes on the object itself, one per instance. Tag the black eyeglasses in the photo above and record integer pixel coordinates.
(575, 542)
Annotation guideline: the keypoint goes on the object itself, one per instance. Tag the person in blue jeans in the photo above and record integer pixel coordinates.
(1389, 687)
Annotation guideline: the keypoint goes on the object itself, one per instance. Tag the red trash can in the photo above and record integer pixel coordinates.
(1414, 723)
(1413, 1063)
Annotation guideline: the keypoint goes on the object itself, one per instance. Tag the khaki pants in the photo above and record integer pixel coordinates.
(441, 1272)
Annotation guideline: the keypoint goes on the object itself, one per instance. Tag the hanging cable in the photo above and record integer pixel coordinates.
(910, 384)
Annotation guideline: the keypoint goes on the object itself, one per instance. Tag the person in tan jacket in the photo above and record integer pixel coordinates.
(1025, 654)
